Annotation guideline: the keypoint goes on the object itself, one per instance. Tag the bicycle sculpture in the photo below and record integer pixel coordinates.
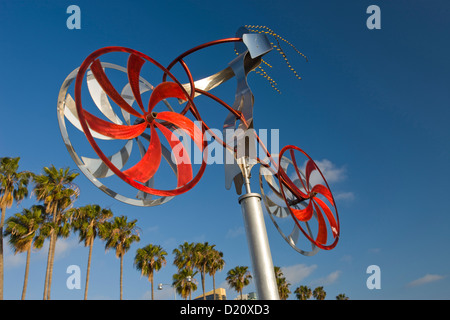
(296, 194)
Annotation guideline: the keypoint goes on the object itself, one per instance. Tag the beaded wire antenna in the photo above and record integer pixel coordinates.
(277, 38)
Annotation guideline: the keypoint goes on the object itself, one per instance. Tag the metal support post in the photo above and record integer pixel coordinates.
(258, 243)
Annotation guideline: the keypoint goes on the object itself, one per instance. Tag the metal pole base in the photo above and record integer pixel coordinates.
(258, 243)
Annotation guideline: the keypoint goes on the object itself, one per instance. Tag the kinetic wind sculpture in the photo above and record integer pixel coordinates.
(295, 193)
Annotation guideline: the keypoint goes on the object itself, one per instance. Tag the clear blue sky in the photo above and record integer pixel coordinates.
(374, 103)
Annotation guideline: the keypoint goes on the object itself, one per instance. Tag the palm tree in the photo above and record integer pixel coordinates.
(86, 221)
(282, 284)
(342, 296)
(319, 293)
(216, 263)
(303, 293)
(203, 253)
(184, 282)
(149, 259)
(21, 229)
(56, 189)
(184, 257)
(238, 278)
(13, 187)
(120, 234)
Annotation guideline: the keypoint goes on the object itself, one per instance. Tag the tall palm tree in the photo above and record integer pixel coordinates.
(203, 253)
(282, 284)
(56, 189)
(21, 229)
(184, 282)
(238, 278)
(149, 259)
(86, 220)
(319, 293)
(13, 187)
(216, 263)
(119, 235)
(185, 257)
(303, 293)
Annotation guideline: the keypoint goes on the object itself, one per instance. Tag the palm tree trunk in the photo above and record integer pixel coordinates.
(88, 270)
(121, 275)
(2, 221)
(27, 267)
(151, 281)
(203, 283)
(49, 258)
(214, 285)
(52, 260)
(49, 255)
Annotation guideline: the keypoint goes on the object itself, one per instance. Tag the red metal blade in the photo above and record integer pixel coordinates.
(145, 169)
(134, 67)
(165, 90)
(287, 182)
(185, 124)
(112, 130)
(310, 167)
(322, 232)
(304, 214)
(319, 188)
(294, 162)
(109, 89)
(330, 216)
(184, 167)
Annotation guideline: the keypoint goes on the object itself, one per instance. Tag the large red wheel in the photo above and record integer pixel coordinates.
(147, 123)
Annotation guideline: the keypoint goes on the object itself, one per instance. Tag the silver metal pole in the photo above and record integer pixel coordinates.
(258, 243)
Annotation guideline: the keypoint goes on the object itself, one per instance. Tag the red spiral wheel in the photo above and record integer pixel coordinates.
(164, 122)
(311, 190)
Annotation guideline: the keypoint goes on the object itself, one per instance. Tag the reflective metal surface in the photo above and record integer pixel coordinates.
(258, 243)
(245, 144)
(211, 82)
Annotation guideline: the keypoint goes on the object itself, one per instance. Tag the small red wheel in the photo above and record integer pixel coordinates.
(310, 189)
(277, 210)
